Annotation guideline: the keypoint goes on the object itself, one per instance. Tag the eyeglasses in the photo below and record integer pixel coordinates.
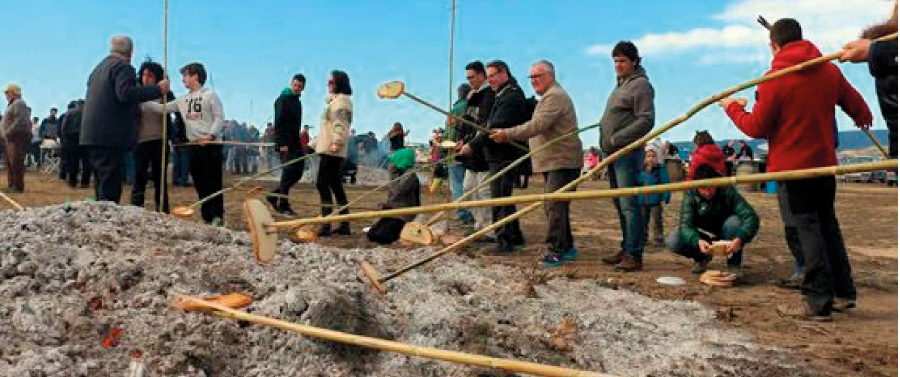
(470, 77)
(534, 76)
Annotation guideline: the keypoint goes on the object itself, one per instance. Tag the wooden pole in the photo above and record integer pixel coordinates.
(15, 204)
(452, 32)
(598, 194)
(248, 179)
(511, 166)
(458, 118)
(163, 179)
(641, 190)
(878, 145)
(337, 211)
(392, 346)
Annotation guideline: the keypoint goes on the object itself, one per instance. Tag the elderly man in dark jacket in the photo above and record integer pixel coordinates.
(510, 109)
(109, 120)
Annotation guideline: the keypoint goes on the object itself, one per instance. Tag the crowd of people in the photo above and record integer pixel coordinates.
(795, 114)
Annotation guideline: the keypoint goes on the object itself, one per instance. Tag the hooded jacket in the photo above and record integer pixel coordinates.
(655, 175)
(795, 112)
(629, 112)
(288, 116)
(709, 154)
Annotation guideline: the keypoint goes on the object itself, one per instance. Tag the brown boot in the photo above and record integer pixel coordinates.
(612, 258)
(629, 264)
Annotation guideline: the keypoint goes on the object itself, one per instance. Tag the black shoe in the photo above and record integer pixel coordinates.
(343, 229)
(325, 230)
(274, 201)
(504, 248)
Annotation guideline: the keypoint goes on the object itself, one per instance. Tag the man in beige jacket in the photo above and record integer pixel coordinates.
(16, 129)
(560, 163)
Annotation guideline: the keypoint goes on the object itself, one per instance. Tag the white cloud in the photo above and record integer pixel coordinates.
(828, 23)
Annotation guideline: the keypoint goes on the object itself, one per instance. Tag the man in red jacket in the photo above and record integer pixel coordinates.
(795, 113)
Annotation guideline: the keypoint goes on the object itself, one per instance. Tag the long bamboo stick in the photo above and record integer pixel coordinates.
(366, 194)
(187, 209)
(163, 163)
(511, 166)
(454, 116)
(640, 190)
(878, 145)
(609, 193)
(15, 204)
(392, 346)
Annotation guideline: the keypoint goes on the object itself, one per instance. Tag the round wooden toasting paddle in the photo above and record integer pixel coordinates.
(264, 240)
(391, 90)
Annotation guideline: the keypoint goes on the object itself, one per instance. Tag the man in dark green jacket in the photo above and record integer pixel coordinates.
(288, 116)
(708, 214)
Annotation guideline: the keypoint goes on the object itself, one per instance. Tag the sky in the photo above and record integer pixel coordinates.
(690, 49)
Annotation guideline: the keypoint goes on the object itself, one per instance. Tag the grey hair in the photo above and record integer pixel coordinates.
(121, 44)
(547, 64)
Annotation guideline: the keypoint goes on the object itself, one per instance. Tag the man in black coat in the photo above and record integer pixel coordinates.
(110, 116)
(510, 109)
(288, 114)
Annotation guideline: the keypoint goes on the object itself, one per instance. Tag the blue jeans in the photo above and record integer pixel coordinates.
(732, 224)
(457, 175)
(624, 173)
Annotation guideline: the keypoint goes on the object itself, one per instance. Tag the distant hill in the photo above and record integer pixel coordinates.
(847, 140)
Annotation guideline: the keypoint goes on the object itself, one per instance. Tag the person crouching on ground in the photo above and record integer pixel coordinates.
(710, 213)
(651, 204)
(402, 193)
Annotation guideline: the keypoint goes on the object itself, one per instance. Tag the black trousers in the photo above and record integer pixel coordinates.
(510, 233)
(329, 183)
(148, 155)
(108, 165)
(559, 229)
(63, 158)
(291, 174)
(826, 269)
(76, 161)
(206, 170)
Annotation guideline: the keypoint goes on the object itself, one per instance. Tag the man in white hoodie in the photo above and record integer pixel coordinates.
(202, 113)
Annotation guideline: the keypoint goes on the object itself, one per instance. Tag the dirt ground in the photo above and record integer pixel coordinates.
(861, 343)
